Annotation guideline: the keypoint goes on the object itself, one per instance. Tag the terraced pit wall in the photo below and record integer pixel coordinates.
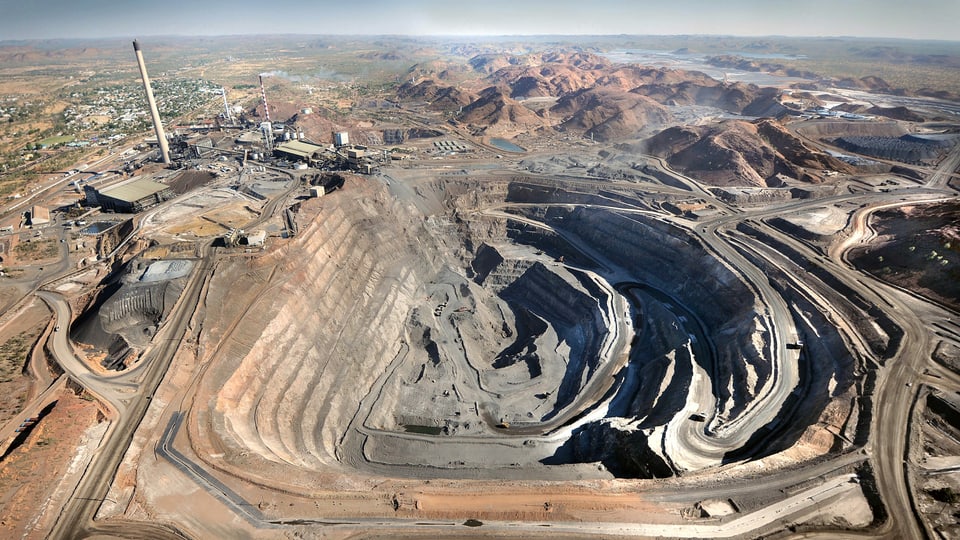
(655, 253)
(318, 322)
(834, 382)
(429, 314)
(881, 333)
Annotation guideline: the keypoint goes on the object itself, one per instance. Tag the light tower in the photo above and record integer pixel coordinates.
(154, 113)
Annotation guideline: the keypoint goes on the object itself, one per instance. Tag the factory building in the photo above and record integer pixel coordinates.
(257, 238)
(341, 138)
(129, 197)
(204, 147)
(238, 237)
(249, 138)
(39, 216)
(297, 150)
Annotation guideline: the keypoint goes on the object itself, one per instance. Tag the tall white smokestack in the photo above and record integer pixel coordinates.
(263, 95)
(267, 126)
(154, 113)
(226, 106)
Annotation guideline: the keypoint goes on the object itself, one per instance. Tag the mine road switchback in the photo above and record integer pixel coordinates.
(718, 236)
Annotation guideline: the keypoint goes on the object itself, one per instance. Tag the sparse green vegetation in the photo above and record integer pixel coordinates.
(46, 441)
(18, 181)
(13, 354)
(37, 250)
(56, 140)
(908, 64)
(909, 76)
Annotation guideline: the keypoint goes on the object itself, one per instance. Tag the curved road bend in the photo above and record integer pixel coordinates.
(129, 401)
(825, 492)
(779, 321)
(887, 444)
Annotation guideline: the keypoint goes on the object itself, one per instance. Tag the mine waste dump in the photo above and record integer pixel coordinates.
(123, 315)
(505, 329)
(910, 148)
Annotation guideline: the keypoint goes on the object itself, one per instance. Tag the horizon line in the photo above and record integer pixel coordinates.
(469, 36)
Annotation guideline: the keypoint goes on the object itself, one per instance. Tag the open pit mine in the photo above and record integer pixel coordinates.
(564, 297)
(496, 328)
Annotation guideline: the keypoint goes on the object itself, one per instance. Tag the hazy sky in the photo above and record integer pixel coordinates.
(924, 19)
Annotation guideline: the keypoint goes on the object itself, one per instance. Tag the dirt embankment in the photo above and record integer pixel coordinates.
(17, 340)
(499, 114)
(906, 149)
(609, 114)
(836, 128)
(35, 476)
(123, 315)
(309, 339)
(439, 97)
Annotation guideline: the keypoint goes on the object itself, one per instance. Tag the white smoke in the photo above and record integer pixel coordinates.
(282, 75)
(321, 73)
